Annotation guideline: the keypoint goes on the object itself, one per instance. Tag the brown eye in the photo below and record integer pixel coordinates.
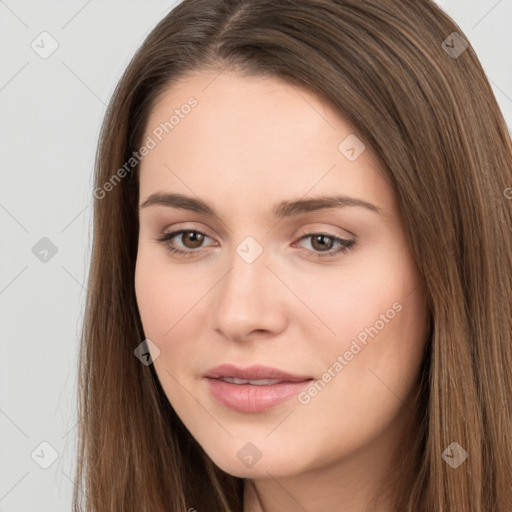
(191, 242)
(192, 239)
(322, 242)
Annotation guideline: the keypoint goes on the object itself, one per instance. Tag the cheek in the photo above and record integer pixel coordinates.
(379, 318)
(378, 312)
(369, 297)
(165, 296)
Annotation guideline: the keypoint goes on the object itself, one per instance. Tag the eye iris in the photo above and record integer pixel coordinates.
(195, 237)
(321, 238)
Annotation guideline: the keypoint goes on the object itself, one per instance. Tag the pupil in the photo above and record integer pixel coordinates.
(195, 237)
(320, 238)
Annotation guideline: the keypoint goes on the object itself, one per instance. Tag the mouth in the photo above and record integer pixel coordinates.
(253, 389)
(258, 382)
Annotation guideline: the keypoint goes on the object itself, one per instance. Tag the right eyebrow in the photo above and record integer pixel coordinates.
(280, 210)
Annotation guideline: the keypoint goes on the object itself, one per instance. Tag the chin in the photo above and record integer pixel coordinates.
(246, 462)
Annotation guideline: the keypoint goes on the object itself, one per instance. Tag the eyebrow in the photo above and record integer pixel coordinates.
(283, 209)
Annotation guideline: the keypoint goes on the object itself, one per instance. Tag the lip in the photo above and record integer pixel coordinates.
(254, 372)
(251, 398)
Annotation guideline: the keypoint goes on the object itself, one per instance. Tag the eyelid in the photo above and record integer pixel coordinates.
(330, 231)
(308, 229)
(340, 235)
(186, 226)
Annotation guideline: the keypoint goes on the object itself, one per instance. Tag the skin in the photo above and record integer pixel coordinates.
(250, 143)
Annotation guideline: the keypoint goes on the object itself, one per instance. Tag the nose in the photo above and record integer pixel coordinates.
(249, 302)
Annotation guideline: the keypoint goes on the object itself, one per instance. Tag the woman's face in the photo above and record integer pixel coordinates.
(266, 280)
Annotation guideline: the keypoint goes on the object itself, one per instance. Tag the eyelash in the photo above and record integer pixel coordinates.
(346, 245)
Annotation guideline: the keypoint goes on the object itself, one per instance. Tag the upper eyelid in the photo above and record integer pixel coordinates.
(179, 230)
(303, 231)
(306, 234)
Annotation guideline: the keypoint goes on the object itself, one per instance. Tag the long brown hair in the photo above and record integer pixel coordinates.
(421, 102)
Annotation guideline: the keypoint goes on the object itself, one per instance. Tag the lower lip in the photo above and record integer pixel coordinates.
(250, 398)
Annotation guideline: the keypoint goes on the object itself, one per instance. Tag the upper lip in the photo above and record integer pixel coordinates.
(255, 372)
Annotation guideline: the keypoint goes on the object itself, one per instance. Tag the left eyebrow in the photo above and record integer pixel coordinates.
(281, 210)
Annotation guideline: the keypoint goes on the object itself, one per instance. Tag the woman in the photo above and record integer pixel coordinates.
(300, 286)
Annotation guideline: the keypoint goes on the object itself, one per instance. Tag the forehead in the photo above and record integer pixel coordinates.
(254, 137)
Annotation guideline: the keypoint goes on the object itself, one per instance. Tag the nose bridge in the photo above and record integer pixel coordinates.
(246, 299)
(247, 279)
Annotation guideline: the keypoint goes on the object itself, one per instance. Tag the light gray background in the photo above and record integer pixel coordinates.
(51, 110)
